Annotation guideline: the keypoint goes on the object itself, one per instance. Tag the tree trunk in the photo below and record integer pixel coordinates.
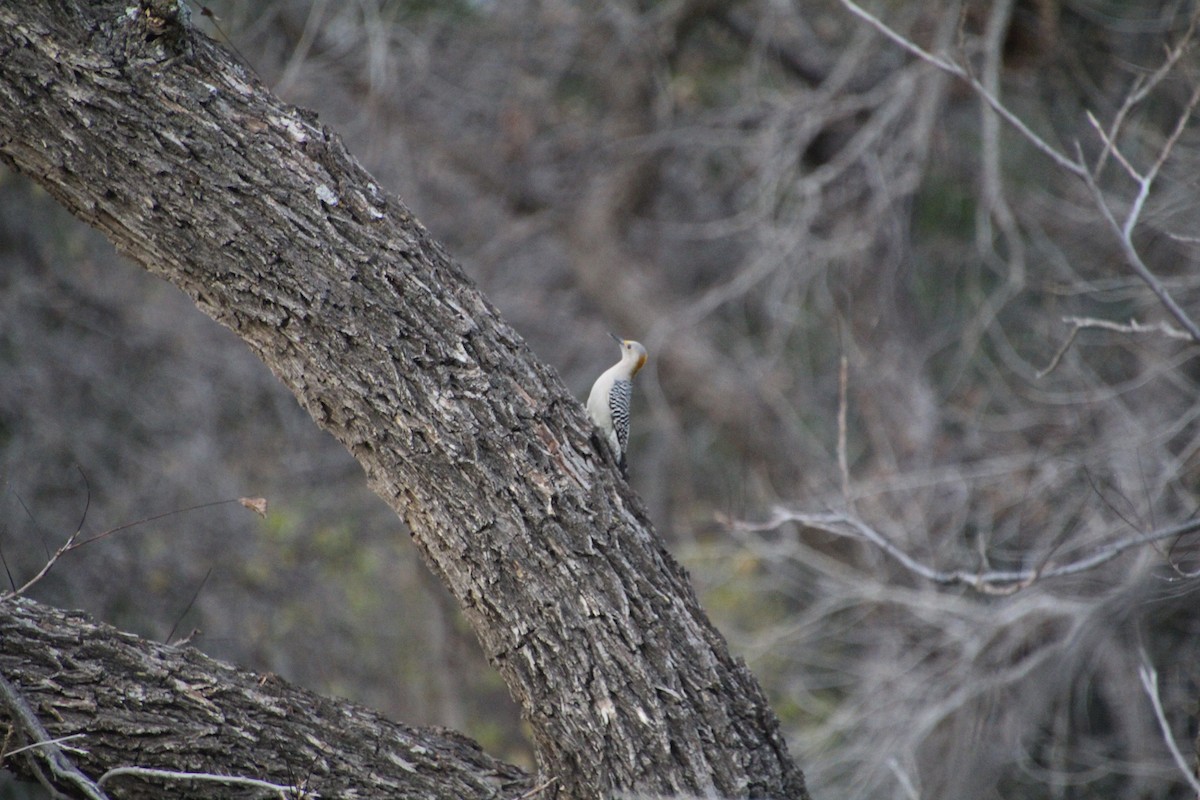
(145, 129)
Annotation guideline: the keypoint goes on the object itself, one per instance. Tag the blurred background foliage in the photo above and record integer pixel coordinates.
(754, 189)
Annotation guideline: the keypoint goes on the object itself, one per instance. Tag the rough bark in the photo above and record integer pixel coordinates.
(148, 131)
(152, 705)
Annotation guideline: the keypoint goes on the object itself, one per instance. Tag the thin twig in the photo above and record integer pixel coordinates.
(541, 787)
(170, 775)
(1144, 87)
(903, 778)
(1110, 148)
(1062, 351)
(87, 504)
(64, 772)
(154, 518)
(1149, 677)
(71, 543)
(191, 603)
(843, 464)
(12, 583)
(50, 562)
(59, 740)
(1133, 326)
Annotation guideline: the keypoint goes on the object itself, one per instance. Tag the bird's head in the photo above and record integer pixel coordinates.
(631, 351)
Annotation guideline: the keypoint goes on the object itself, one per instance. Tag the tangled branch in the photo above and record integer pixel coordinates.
(1077, 166)
(986, 581)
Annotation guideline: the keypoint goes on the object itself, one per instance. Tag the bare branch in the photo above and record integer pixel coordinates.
(1147, 181)
(284, 792)
(541, 787)
(1074, 167)
(1124, 236)
(1136, 96)
(1133, 326)
(1062, 350)
(72, 544)
(1110, 148)
(994, 205)
(903, 778)
(1149, 678)
(843, 466)
(986, 581)
(66, 547)
(57, 740)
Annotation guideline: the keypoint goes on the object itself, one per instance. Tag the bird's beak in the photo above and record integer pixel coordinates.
(616, 338)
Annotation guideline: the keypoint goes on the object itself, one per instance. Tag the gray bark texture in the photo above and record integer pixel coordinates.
(173, 708)
(147, 130)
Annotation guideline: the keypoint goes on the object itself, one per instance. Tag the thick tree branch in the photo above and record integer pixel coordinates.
(152, 706)
(148, 131)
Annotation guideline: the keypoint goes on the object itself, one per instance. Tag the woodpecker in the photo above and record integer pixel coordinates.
(608, 403)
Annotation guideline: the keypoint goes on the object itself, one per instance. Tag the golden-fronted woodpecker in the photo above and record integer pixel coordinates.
(608, 402)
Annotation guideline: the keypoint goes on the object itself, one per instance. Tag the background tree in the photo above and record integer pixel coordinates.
(753, 190)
